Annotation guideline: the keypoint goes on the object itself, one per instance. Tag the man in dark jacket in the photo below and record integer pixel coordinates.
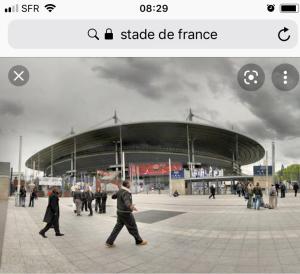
(282, 190)
(89, 198)
(22, 196)
(125, 216)
(277, 186)
(103, 201)
(33, 195)
(296, 187)
(84, 201)
(212, 191)
(77, 200)
(98, 200)
(52, 215)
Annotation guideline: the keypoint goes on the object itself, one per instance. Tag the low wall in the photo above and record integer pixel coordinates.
(4, 187)
(4, 180)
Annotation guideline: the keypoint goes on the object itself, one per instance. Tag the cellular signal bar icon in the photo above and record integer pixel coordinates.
(14, 8)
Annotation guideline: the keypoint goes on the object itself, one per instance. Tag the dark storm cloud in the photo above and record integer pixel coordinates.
(10, 108)
(153, 78)
(256, 129)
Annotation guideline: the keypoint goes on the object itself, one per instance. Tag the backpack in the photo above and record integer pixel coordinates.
(273, 192)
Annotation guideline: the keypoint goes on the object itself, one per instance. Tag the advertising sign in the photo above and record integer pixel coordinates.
(261, 170)
(50, 181)
(177, 174)
(207, 172)
(153, 169)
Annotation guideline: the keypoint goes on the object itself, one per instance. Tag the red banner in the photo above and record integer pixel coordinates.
(151, 169)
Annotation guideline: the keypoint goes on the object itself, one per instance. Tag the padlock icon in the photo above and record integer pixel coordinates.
(108, 34)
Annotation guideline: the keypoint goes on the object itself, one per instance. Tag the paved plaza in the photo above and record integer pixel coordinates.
(187, 234)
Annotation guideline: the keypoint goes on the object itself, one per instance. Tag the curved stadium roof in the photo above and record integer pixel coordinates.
(148, 142)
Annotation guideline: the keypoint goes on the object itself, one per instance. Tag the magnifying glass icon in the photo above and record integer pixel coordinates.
(92, 33)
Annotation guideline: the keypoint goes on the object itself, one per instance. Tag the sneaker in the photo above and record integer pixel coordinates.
(59, 234)
(142, 243)
(109, 245)
(42, 234)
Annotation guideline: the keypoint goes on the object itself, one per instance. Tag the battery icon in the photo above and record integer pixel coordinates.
(289, 8)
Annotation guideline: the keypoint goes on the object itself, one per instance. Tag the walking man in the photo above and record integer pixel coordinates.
(212, 191)
(277, 187)
(52, 215)
(33, 195)
(296, 187)
(90, 198)
(22, 196)
(282, 190)
(84, 201)
(125, 216)
(103, 201)
(77, 200)
(98, 200)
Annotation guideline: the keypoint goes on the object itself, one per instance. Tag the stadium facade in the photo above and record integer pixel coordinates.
(149, 145)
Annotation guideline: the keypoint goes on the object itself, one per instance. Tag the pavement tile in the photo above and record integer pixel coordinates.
(222, 238)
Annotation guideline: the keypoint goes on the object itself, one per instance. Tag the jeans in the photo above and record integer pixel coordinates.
(257, 201)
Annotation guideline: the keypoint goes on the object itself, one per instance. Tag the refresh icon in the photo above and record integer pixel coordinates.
(282, 35)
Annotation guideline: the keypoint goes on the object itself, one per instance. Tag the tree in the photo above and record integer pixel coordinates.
(290, 173)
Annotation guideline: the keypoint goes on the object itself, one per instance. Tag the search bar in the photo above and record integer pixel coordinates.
(153, 34)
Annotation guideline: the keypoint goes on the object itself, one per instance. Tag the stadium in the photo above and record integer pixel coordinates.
(148, 150)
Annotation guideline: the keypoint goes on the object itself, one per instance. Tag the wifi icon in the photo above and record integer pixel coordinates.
(50, 7)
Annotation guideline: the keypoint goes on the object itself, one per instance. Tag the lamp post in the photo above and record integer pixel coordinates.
(19, 171)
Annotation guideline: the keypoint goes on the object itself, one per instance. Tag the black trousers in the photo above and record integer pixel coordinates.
(296, 190)
(103, 206)
(212, 195)
(128, 220)
(84, 205)
(31, 202)
(54, 223)
(98, 205)
(90, 207)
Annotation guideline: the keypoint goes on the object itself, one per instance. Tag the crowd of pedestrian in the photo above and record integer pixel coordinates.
(83, 200)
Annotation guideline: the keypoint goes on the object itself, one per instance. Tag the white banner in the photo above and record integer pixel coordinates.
(50, 181)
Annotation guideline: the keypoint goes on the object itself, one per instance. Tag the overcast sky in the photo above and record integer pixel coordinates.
(81, 93)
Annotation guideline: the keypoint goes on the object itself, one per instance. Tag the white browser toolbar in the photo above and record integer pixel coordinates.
(153, 28)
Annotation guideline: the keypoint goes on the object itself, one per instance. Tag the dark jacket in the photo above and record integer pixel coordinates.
(83, 196)
(212, 190)
(103, 195)
(76, 195)
(257, 191)
(97, 195)
(22, 192)
(52, 210)
(89, 196)
(124, 201)
(296, 186)
(33, 194)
